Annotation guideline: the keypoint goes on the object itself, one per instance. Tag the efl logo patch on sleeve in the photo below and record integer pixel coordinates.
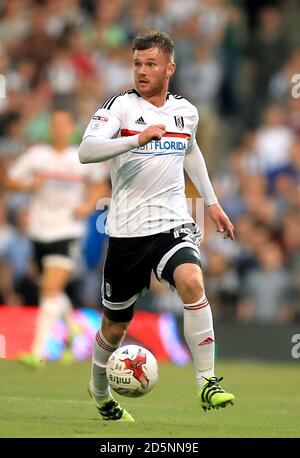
(98, 122)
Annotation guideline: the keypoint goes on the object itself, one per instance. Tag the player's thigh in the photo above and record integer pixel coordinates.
(58, 261)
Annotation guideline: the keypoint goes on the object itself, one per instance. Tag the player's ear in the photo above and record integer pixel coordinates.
(171, 69)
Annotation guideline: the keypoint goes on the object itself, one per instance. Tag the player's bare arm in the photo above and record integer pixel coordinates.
(195, 167)
(94, 192)
(221, 220)
(17, 185)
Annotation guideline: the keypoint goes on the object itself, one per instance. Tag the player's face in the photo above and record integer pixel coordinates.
(62, 127)
(152, 70)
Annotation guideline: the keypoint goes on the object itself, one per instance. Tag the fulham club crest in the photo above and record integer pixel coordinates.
(107, 289)
(179, 122)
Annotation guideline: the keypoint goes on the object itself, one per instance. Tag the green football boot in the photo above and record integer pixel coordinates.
(110, 410)
(212, 396)
(31, 360)
(67, 357)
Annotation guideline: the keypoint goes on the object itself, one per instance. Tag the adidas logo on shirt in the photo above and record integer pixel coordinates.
(140, 121)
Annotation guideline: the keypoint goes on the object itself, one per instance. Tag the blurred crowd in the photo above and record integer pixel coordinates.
(236, 61)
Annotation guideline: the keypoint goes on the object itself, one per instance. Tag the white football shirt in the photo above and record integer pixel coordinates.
(51, 212)
(148, 188)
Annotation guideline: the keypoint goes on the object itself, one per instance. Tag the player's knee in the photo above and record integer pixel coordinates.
(191, 288)
(49, 291)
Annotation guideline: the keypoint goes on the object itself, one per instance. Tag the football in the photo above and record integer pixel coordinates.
(132, 371)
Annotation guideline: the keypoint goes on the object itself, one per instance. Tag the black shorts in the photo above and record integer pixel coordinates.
(130, 261)
(62, 253)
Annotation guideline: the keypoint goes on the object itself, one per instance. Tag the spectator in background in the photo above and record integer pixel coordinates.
(266, 289)
(232, 49)
(293, 115)
(179, 10)
(61, 15)
(273, 141)
(268, 50)
(117, 73)
(108, 29)
(281, 83)
(159, 15)
(14, 25)
(62, 74)
(6, 229)
(18, 255)
(37, 45)
(294, 158)
(200, 82)
(222, 284)
(291, 246)
(285, 192)
(11, 142)
(245, 261)
(8, 294)
(138, 17)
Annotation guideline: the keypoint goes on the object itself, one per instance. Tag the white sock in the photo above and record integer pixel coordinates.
(199, 335)
(51, 308)
(67, 308)
(102, 349)
(66, 304)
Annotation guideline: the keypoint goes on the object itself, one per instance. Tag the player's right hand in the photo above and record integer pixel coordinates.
(155, 132)
(221, 220)
(36, 183)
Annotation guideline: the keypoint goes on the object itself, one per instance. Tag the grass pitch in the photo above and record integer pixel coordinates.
(54, 403)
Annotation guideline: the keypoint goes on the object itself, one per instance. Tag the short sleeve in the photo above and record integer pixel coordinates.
(105, 122)
(23, 168)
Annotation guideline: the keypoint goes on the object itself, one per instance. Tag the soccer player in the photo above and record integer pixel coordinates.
(149, 136)
(63, 194)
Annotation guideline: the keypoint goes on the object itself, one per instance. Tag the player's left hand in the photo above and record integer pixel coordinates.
(221, 220)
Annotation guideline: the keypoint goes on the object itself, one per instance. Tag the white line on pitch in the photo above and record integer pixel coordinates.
(62, 401)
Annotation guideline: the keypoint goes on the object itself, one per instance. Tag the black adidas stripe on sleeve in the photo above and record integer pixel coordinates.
(175, 96)
(109, 102)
